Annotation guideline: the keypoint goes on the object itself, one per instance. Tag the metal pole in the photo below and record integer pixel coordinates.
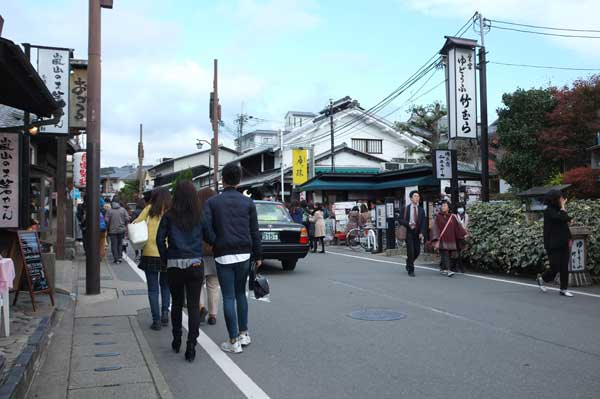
(485, 172)
(92, 263)
(141, 162)
(332, 132)
(215, 126)
(281, 166)
(311, 172)
(61, 200)
(209, 157)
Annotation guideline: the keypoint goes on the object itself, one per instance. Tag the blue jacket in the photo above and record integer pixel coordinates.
(232, 224)
(298, 215)
(181, 244)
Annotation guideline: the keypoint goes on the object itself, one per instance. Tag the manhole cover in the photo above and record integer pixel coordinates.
(377, 315)
(135, 292)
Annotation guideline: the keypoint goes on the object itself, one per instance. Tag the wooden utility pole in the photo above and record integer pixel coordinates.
(92, 260)
(215, 116)
(485, 171)
(140, 162)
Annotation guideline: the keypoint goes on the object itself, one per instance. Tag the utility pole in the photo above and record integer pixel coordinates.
(140, 161)
(92, 262)
(485, 172)
(281, 165)
(332, 133)
(241, 119)
(215, 117)
(311, 171)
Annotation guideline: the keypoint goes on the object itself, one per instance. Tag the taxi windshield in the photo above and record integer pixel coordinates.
(272, 213)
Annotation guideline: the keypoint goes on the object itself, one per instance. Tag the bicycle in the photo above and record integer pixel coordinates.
(363, 237)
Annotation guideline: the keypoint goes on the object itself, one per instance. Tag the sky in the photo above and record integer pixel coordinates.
(281, 55)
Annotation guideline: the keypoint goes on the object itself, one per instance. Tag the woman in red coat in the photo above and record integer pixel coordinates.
(448, 232)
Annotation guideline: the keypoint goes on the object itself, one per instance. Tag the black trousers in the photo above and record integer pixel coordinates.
(559, 263)
(413, 249)
(116, 245)
(185, 283)
(316, 242)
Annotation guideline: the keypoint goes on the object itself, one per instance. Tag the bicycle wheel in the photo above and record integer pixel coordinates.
(364, 239)
(353, 239)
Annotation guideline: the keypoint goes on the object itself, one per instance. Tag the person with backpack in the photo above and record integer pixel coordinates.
(116, 221)
(151, 262)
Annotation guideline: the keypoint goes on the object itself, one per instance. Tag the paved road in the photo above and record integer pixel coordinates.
(463, 337)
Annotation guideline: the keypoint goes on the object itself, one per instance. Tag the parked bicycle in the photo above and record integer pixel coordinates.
(361, 237)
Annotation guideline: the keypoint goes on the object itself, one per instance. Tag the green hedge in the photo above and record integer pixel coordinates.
(503, 240)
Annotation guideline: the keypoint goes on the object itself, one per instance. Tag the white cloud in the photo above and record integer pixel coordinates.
(578, 14)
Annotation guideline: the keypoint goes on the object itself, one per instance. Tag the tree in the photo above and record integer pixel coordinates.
(184, 175)
(129, 192)
(573, 123)
(522, 117)
(426, 121)
(584, 182)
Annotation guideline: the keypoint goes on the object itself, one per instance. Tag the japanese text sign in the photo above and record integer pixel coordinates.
(578, 255)
(79, 169)
(300, 166)
(462, 93)
(78, 99)
(9, 180)
(443, 164)
(53, 68)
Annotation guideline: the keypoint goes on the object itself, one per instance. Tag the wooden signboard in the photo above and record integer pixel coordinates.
(33, 267)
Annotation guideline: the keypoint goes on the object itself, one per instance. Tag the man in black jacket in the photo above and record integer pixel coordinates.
(414, 215)
(232, 227)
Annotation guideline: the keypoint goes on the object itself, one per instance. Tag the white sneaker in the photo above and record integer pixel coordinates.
(540, 283)
(566, 293)
(444, 272)
(450, 273)
(244, 339)
(236, 347)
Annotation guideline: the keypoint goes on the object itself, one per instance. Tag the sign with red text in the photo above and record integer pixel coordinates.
(80, 169)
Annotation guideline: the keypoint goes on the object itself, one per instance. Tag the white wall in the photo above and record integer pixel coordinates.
(350, 160)
(202, 159)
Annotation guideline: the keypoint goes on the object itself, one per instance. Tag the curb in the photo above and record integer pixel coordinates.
(21, 374)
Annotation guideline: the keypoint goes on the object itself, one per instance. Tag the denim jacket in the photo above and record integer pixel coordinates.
(174, 243)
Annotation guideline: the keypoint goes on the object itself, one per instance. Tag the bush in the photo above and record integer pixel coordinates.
(584, 182)
(502, 240)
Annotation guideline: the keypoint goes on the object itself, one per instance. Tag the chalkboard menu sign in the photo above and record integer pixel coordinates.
(33, 266)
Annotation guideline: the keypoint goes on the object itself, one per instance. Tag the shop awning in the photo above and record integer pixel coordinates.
(20, 85)
(350, 185)
(347, 169)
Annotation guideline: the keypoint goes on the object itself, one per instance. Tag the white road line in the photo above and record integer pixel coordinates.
(241, 380)
(500, 280)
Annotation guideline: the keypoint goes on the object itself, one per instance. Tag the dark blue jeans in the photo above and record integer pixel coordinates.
(232, 279)
(156, 280)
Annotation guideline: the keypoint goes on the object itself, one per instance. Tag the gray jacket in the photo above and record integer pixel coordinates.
(116, 219)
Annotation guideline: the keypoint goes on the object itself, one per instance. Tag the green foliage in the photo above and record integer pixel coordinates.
(503, 240)
(129, 192)
(519, 121)
(556, 180)
(184, 175)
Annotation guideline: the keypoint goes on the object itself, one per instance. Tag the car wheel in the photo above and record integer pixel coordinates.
(289, 264)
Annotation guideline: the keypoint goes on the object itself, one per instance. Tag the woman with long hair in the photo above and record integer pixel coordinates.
(319, 221)
(211, 294)
(557, 237)
(183, 229)
(151, 262)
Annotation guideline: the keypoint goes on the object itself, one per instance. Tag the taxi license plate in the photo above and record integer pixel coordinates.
(270, 236)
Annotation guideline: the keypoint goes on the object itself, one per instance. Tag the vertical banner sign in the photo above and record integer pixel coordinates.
(79, 169)
(78, 99)
(462, 93)
(9, 180)
(578, 255)
(443, 164)
(53, 67)
(300, 168)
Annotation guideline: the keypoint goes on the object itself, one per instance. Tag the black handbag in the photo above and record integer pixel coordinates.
(258, 283)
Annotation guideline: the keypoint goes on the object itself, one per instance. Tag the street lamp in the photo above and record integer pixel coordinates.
(210, 144)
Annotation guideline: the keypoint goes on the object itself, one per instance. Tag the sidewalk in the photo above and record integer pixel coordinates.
(97, 349)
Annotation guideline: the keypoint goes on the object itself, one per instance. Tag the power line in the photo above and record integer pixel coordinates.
(544, 66)
(416, 98)
(545, 33)
(544, 27)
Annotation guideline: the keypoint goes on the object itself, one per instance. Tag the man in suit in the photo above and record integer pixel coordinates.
(414, 215)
